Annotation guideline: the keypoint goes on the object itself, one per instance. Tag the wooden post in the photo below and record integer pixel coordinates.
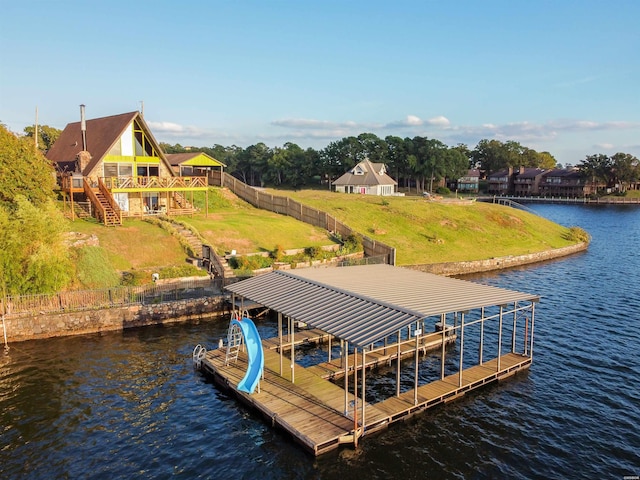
(329, 348)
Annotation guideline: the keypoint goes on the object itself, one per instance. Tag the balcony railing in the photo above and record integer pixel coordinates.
(154, 183)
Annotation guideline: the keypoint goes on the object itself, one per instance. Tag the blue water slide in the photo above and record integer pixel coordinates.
(254, 352)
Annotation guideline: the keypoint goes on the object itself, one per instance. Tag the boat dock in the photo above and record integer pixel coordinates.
(378, 316)
(311, 410)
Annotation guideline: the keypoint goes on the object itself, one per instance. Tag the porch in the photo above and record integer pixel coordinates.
(112, 198)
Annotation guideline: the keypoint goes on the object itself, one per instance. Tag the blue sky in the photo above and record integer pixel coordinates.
(559, 76)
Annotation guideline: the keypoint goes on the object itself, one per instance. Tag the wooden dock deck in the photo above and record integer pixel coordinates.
(311, 410)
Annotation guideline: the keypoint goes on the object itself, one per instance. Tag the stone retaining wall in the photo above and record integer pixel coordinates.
(462, 268)
(94, 321)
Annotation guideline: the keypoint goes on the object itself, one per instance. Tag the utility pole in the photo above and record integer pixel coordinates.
(35, 132)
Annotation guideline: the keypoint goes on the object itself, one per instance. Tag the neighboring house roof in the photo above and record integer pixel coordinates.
(563, 172)
(366, 173)
(500, 174)
(193, 159)
(101, 134)
(530, 173)
(474, 172)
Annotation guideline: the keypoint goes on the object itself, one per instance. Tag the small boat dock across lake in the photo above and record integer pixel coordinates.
(368, 320)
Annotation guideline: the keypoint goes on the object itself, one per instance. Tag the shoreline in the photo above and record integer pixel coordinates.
(88, 322)
(497, 263)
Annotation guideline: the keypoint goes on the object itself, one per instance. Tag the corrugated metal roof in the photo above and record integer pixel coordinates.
(364, 304)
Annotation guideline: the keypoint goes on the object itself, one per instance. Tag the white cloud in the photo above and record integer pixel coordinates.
(166, 127)
(309, 123)
(604, 146)
(440, 121)
(412, 121)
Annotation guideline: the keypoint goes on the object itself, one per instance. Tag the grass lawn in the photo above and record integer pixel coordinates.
(427, 231)
(422, 231)
(136, 245)
(233, 224)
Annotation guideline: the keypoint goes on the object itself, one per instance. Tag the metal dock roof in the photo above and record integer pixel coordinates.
(364, 304)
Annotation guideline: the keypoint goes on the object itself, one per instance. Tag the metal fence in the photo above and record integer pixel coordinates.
(17, 305)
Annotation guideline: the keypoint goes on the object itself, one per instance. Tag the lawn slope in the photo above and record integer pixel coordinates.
(429, 231)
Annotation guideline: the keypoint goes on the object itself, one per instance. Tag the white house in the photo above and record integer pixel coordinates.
(366, 178)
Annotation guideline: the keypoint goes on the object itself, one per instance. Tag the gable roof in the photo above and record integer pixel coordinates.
(373, 174)
(101, 134)
(194, 159)
(364, 304)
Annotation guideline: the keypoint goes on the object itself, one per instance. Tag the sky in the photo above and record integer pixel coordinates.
(561, 76)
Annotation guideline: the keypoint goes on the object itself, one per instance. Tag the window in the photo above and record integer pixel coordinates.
(146, 170)
(118, 169)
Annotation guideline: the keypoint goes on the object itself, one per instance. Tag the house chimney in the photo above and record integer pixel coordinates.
(83, 128)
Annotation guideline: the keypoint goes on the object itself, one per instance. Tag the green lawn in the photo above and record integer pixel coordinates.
(135, 245)
(422, 231)
(427, 231)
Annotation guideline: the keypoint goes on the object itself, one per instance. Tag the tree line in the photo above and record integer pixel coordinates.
(413, 162)
(417, 161)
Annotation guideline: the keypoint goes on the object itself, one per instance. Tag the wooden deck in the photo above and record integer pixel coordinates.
(312, 408)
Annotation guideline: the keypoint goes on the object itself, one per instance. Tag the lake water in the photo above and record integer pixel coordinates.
(129, 404)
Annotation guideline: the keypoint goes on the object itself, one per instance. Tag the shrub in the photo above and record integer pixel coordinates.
(443, 191)
(352, 243)
(135, 277)
(578, 234)
(186, 270)
(277, 253)
(312, 252)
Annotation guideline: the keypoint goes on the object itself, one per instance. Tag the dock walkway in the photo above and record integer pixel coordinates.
(311, 410)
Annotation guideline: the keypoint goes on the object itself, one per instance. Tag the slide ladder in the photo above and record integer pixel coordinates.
(234, 342)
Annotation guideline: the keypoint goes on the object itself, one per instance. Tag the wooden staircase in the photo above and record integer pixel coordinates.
(182, 201)
(104, 205)
(110, 217)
